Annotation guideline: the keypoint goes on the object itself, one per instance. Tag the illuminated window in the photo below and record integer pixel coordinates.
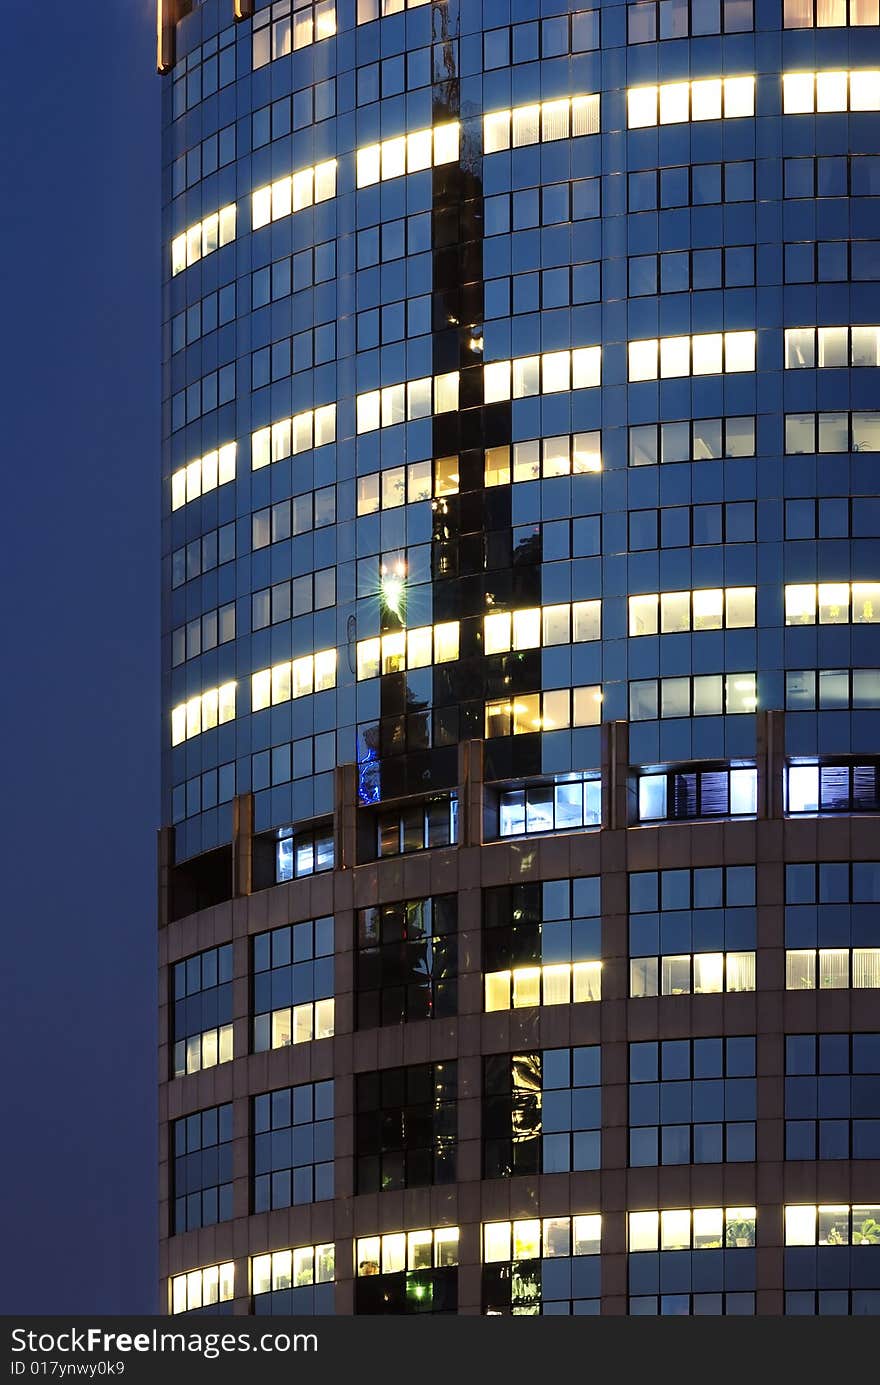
(570, 803)
(823, 14)
(292, 1275)
(368, 10)
(294, 678)
(567, 117)
(415, 1271)
(204, 474)
(306, 188)
(202, 1288)
(831, 1225)
(398, 403)
(711, 353)
(203, 238)
(288, 25)
(805, 92)
(703, 1228)
(673, 103)
(407, 154)
(698, 973)
(293, 980)
(547, 374)
(290, 436)
(732, 608)
(202, 713)
(407, 485)
(838, 603)
(533, 1238)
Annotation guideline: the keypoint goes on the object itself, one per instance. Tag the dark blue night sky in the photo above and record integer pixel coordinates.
(80, 599)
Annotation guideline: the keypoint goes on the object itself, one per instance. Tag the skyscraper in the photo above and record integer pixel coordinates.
(520, 875)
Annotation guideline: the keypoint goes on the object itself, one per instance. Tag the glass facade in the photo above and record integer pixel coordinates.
(521, 649)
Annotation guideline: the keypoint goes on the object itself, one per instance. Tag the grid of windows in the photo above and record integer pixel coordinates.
(692, 1101)
(293, 984)
(542, 943)
(202, 1168)
(535, 1268)
(293, 1146)
(832, 1259)
(202, 1013)
(289, 1282)
(407, 961)
(699, 1262)
(573, 802)
(832, 1096)
(406, 1127)
(541, 1112)
(407, 1272)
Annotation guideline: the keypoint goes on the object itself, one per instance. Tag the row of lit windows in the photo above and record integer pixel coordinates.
(832, 1225)
(305, 188)
(832, 969)
(277, 32)
(692, 973)
(669, 1229)
(310, 673)
(203, 475)
(204, 1050)
(700, 1228)
(559, 983)
(293, 1269)
(705, 353)
(404, 402)
(411, 153)
(568, 454)
(829, 14)
(406, 485)
(202, 238)
(671, 103)
(534, 1239)
(408, 649)
(552, 373)
(837, 603)
(553, 710)
(569, 623)
(295, 1024)
(838, 347)
(805, 92)
(407, 1250)
(565, 118)
(710, 608)
(290, 436)
(211, 708)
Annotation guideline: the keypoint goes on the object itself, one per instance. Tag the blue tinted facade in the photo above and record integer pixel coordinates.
(519, 440)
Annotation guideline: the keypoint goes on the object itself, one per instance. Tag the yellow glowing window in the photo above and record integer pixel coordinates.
(708, 353)
(643, 614)
(800, 604)
(643, 359)
(496, 633)
(203, 238)
(446, 642)
(204, 474)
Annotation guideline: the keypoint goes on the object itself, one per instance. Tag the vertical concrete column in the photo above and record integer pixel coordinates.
(470, 793)
(615, 775)
(164, 862)
(242, 845)
(345, 816)
(770, 755)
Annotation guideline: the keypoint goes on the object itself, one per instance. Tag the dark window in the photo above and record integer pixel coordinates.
(406, 1127)
(407, 961)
